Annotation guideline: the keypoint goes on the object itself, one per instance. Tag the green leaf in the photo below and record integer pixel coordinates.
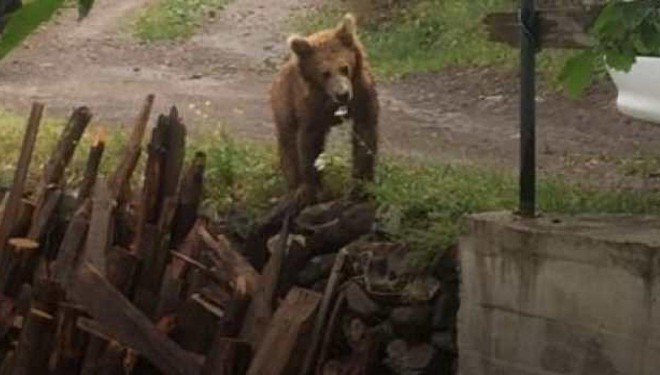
(621, 59)
(649, 35)
(578, 72)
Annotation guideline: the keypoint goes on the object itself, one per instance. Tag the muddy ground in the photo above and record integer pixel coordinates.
(460, 116)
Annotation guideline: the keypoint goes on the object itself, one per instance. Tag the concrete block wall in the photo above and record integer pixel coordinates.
(560, 295)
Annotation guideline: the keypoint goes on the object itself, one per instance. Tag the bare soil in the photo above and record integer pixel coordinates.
(223, 74)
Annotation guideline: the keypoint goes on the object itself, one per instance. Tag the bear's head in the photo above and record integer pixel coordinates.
(330, 60)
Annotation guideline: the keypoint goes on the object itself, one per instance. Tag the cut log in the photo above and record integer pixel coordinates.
(119, 180)
(130, 326)
(228, 356)
(352, 223)
(321, 317)
(13, 204)
(286, 336)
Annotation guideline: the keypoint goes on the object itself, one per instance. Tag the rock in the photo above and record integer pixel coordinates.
(316, 269)
(196, 76)
(412, 323)
(359, 302)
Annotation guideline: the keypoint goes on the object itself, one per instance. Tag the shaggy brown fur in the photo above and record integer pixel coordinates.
(326, 71)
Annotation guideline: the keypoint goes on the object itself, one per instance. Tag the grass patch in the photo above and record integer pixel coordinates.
(173, 19)
(26, 20)
(419, 203)
(429, 35)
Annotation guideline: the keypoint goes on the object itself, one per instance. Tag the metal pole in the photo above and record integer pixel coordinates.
(528, 48)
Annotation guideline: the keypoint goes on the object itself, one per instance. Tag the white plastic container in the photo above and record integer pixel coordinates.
(639, 89)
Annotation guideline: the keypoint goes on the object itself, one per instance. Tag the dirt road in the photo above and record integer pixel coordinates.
(222, 75)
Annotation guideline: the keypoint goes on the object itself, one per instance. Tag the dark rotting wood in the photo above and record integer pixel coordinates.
(122, 268)
(195, 327)
(190, 197)
(227, 356)
(70, 341)
(129, 325)
(332, 329)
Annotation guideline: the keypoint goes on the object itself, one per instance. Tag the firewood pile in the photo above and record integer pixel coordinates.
(110, 278)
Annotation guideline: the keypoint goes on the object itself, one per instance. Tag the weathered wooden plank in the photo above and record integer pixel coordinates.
(285, 338)
(100, 227)
(130, 326)
(557, 28)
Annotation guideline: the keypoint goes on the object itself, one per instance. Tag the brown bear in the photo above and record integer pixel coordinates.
(325, 81)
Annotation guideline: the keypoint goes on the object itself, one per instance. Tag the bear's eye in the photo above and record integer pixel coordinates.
(344, 70)
(327, 74)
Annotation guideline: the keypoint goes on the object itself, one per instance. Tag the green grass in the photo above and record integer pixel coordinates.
(173, 19)
(430, 35)
(25, 20)
(419, 203)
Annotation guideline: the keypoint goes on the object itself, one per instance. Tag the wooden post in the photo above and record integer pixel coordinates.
(91, 170)
(38, 334)
(528, 49)
(20, 175)
(130, 326)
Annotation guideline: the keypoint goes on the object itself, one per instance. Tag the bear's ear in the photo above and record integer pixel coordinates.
(347, 30)
(300, 46)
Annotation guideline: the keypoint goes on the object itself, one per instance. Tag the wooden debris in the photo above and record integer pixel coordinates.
(132, 328)
(100, 227)
(285, 336)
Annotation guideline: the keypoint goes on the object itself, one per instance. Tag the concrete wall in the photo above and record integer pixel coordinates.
(560, 296)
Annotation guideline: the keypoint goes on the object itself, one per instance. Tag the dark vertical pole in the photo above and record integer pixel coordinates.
(528, 44)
